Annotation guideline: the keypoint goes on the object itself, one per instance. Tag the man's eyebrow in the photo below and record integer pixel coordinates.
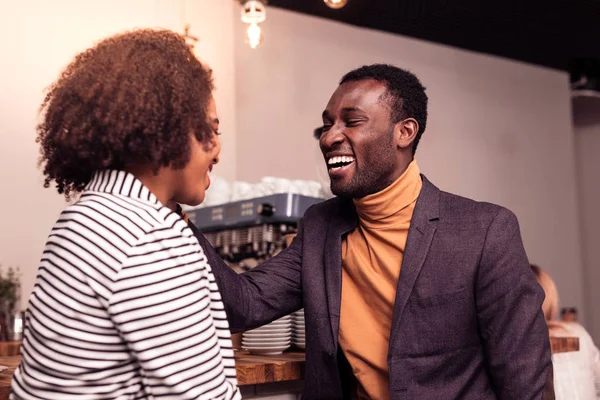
(327, 115)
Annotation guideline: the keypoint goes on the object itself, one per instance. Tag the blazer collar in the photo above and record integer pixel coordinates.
(344, 219)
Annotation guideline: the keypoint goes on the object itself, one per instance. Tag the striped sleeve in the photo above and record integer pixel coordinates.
(162, 305)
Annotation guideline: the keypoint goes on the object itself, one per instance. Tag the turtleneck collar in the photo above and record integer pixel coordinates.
(391, 205)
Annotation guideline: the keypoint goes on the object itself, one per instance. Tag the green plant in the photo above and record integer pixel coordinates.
(10, 288)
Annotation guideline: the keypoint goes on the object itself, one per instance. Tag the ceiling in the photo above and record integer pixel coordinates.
(547, 33)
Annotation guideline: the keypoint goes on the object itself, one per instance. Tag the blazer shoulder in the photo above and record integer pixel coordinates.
(455, 207)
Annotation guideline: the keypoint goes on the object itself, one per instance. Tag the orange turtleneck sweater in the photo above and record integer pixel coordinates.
(371, 260)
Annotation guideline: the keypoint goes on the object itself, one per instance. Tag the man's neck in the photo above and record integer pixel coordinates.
(386, 206)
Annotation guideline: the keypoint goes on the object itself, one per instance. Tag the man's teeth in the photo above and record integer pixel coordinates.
(339, 160)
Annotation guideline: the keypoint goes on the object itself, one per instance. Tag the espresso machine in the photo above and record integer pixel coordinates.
(248, 232)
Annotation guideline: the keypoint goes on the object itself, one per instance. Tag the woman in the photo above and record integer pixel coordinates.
(576, 374)
(125, 305)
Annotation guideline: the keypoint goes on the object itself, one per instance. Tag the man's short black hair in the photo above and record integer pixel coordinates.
(405, 93)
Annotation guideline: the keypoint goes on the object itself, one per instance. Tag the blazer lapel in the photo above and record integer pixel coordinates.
(341, 223)
(420, 235)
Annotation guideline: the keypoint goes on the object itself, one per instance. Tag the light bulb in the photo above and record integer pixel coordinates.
(336, 3)
(254, 35)
(253, 11)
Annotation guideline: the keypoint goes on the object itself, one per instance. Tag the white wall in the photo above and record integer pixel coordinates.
(586, 117)
(39, 38)
(498, 131)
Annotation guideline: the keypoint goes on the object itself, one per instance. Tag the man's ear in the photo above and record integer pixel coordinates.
(405, 132)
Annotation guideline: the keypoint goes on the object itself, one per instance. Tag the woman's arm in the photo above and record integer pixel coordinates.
(166, 311)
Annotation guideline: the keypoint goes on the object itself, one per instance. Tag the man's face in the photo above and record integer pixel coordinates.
(358, 140)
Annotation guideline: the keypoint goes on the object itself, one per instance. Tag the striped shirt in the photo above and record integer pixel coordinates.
(125, 305)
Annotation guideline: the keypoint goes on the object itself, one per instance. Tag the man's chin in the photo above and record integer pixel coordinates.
(341, 190)
(352, 190)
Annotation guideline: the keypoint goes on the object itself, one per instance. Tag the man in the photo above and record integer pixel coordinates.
(409, 292)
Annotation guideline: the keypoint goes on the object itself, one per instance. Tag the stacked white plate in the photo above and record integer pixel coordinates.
(298, 329)
(269, 339)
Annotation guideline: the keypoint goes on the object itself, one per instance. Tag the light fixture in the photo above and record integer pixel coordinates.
(336, 3)
(253, 13)
(254, 35)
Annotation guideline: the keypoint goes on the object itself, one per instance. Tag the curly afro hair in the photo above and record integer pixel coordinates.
(132, 99)
(405, 93)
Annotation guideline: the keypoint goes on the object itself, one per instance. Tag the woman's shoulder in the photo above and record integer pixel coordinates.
(113, 217)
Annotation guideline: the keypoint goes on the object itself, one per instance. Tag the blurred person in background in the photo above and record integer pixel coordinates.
(569, 314)
(125, 305)
(576, 373)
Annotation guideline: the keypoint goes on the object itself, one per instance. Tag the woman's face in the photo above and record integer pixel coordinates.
(194, 176)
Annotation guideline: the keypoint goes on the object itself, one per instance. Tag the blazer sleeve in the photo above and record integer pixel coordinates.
(509, 308)
(267, 292)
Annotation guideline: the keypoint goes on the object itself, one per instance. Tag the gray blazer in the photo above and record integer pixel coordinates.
(467, 320)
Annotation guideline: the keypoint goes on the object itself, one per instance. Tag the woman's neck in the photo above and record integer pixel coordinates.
(159, 183)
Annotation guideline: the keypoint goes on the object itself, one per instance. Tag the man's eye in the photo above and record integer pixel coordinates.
(353, 122)
(326, 128)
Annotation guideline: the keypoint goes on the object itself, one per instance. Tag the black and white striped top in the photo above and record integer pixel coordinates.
(125, 305)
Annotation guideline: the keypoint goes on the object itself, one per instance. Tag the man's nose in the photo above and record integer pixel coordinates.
(332, 137)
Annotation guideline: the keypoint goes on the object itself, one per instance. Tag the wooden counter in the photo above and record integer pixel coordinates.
(12, 362)
(253, 370)
(10, 348)
(564, 344)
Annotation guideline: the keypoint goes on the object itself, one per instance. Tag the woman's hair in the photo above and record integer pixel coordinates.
(132, 99)
(550, 305)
